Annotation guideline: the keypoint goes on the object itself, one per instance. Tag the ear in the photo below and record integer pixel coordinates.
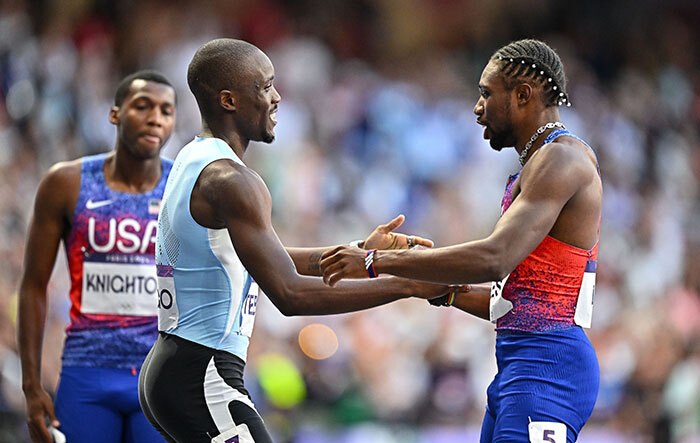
(114, 115)
(227, 100)
(523, 93)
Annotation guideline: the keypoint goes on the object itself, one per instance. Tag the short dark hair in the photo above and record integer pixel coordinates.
(215, 66)
(146, 74)
(534, 60)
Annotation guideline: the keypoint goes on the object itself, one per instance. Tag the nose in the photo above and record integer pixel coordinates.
(276, 97)
(155, 117)
(479, 107)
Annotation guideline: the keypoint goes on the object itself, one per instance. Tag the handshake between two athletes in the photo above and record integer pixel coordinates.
(358, 259)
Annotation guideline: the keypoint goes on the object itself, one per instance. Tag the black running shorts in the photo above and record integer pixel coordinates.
(191, 393)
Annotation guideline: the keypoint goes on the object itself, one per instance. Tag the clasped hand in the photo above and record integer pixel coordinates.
(349, 262)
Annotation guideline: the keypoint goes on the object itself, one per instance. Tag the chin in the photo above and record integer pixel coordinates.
(495, 145)
(147, 152)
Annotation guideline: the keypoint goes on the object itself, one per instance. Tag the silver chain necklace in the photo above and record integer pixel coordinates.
(537, 133)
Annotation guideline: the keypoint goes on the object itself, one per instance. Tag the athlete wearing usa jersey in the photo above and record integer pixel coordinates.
(105, 208)
(539, 309)
(541, 255)
(215, 242)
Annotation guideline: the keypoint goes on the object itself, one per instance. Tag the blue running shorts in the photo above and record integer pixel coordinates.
(102, 404)
(545, 388)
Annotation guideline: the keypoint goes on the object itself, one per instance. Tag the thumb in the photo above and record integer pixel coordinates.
(52, 415)
(395, 223)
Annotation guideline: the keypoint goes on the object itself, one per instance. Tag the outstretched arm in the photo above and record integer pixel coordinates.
(225, 185)
(545, 188)
(307, 260)
(45, 231)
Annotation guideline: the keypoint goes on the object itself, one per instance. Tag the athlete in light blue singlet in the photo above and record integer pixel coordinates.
(215, 242)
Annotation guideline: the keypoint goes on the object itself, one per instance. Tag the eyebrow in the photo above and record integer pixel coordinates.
(264, 82)
(143, 96)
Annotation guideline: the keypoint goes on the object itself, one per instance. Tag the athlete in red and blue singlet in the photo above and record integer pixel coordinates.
(541, 255)
(538, 310)
(105, 209)
(110, 249)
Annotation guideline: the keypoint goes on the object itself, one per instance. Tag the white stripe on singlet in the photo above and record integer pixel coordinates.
(218, 394)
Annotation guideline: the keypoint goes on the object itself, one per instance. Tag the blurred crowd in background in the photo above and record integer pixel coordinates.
(376, 119)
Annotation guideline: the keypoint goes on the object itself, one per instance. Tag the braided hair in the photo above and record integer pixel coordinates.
(534, 60)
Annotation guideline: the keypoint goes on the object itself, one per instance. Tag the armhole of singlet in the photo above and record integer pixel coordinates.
(205, 164)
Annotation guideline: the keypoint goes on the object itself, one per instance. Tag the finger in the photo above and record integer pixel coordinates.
(461, 288)
(328, 261)
(52, 415)
(332, 269)
(423, 242)
(335, 278)
(38, 432)
(331, 251)
(34, 435)
(395, 223)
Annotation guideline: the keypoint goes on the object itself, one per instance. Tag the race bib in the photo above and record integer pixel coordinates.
(547, 432)
(167, 303)
(250, 305)
(119, 284)
(498, 306)
(583, 315)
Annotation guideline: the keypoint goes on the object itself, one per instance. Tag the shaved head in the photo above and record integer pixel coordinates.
(219, 64)
(232, 81)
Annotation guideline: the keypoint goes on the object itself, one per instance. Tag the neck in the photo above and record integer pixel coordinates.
(127, 173)
(226, 132)
(529, 128)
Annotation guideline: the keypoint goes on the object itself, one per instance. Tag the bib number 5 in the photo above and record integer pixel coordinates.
(547, 432)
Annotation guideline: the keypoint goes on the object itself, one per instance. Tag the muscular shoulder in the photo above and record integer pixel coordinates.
(58, 191)
(232, 188)
(64, 173)
(567, 160)
(558, 169)
(61, 182)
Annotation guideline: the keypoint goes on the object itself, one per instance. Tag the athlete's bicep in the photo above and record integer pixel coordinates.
(545, 188)
(245, 207)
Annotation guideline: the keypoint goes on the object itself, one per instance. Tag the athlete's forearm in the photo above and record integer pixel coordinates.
(310, 296)
(306, 260)
(475, 262)
(476, 301)
(31, 319)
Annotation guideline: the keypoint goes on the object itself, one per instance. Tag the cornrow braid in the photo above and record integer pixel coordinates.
(534, 60)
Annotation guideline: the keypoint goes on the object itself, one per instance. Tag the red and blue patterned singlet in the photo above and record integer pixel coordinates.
(544, 287)
(110, 251)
